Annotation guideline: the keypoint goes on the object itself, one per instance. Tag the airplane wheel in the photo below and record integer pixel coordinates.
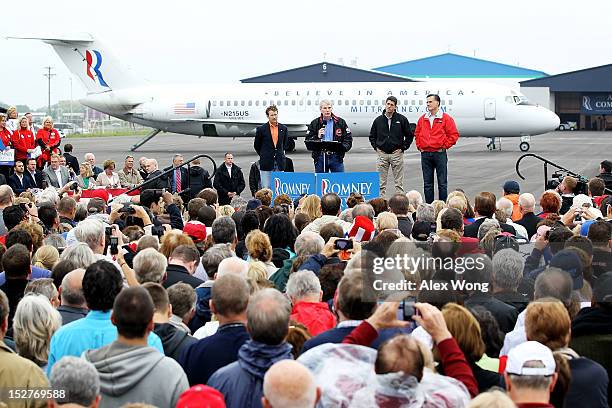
(524, 146)
(290, 146)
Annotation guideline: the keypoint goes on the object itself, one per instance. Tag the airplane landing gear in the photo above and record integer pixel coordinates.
(145, 139)
(524, 146)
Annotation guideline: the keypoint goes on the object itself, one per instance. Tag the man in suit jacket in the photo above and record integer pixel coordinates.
(229, 180)
(154, 171)
(36, 176)
(19, 182)
(71, 161)
(178, 178)
(55, 175)
(484, 206)
(270, 142)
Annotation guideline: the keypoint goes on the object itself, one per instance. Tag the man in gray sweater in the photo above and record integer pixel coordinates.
(130, 370)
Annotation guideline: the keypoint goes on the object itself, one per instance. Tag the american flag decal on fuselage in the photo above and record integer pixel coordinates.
(184, 108)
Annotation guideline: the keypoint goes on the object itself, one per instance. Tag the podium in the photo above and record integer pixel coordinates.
(324, 147)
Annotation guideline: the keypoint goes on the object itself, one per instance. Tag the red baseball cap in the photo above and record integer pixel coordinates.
(196, 230)
(201, 396)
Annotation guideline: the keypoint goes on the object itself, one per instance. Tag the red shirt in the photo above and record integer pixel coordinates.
(442, 135)
(23, 139)
(51, 139)
(6, 136)
(315, 316)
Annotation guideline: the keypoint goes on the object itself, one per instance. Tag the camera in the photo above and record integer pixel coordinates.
(158, 230)
(408, 309)
(74, 186)
(114, 245)
(578, 216)
(558, 176)
(127, 208)
(342, 244)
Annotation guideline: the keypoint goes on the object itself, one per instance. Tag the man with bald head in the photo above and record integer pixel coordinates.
(527, 208)
(289, 384)
(233, 266)
(73, 305)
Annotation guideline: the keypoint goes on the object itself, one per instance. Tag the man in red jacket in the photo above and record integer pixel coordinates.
(435, 134)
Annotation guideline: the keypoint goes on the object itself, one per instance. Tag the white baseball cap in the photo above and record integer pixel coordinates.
(530, 351)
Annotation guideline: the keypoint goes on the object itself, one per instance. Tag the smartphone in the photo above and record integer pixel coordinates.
(114, 245)
(408, 309)
(109, 230)
(343, 244)
(578, 216)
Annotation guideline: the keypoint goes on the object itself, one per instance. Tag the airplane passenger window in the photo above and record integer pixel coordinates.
(257, 103)
(279, 103)
(220, 103)
(250, 103)
(413, 102)
(354, 102)
(450, 101)
(369, 102)
(346, 102)
(241, 103)
(420, 102)
(301, 102)
(316, 102)
(286, 102)
(361, 102)
(309, 102)
(235, 103)
(339, 102)
(406, 102)
(441, 101)
(214, 103)
(293, 102)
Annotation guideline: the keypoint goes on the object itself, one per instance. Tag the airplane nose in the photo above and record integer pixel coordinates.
(548, 121)
(554, 120)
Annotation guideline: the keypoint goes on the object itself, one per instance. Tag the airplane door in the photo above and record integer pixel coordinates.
(489, 109)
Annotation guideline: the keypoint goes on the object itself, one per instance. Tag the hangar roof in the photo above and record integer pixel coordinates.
(451, 65)
(326, 72)
(596, 79)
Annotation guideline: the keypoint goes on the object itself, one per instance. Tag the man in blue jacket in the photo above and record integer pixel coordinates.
(241, 382)
(270, 141)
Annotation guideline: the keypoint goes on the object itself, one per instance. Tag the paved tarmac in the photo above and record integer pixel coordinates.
(472, 167)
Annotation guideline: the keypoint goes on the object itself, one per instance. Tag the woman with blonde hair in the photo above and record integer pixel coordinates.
(49, 140)
(257, 277)
(226, 211)
(311, 206)
(11, 119)
(86, 179)
(46, 257)
(386, 221)
(260, 249)
(34, 324)
(23, 140)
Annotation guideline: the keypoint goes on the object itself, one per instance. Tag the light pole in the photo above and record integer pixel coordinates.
(49, 75)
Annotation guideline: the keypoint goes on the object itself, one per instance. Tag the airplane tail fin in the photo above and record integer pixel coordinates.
(90, 61)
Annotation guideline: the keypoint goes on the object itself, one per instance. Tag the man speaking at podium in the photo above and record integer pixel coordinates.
(329, 127)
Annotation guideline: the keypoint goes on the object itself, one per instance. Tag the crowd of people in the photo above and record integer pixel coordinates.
(187, 294)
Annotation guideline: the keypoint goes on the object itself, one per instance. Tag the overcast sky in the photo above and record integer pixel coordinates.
(224, 41)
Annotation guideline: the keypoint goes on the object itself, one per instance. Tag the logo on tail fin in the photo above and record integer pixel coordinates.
(89, 57)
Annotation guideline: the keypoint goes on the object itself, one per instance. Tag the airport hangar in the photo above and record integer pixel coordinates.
(584, 96)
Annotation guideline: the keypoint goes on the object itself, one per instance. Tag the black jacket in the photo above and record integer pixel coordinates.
(254, 178)
(158, 184)
(602, 261)
(388, 140)
(607, 178)
(224, 184)
(530, 222)
(19, 186)
(268, 153)
(342, 134)
(199, 179)
(505, 314)
(72, 162)
(38, 180)
(178, 273)
(514, 299)
(472, 229)
(174, 340)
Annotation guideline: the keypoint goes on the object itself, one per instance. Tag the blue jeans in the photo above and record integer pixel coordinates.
(333, 164)
(429, 162)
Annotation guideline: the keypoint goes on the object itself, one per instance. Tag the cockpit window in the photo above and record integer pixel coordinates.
(518, 100)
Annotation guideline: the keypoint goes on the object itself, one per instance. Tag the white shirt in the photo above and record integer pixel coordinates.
(229, 170)
(58, 174)
(431, 117)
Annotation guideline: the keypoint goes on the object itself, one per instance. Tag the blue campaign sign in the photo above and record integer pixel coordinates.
(293, 184)
(597, 104)
(343, 184)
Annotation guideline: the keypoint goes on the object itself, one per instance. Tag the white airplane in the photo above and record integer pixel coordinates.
(479, 109)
